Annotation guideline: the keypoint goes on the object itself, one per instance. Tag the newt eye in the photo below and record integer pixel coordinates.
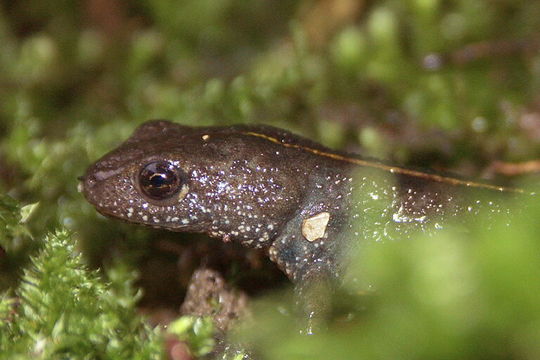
(161, 179)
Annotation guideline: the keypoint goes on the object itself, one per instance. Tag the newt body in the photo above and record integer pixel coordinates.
(267, 188)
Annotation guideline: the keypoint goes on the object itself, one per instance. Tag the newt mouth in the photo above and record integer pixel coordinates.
(80, 185)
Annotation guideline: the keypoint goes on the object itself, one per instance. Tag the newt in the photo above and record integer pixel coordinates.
(268, 188)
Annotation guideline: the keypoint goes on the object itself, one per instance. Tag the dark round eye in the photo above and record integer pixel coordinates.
(161, 179)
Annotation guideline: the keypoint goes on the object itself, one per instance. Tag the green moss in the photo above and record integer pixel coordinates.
(198, 332)
(63, 310)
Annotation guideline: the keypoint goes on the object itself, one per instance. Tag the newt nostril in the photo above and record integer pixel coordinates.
(86, 182)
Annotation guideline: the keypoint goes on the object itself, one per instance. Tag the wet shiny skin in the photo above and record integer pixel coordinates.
(257, 185)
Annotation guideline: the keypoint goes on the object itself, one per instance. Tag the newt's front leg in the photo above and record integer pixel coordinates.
(314, 277)
(308, 250)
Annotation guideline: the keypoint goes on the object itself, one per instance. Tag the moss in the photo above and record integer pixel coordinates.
(63, 310)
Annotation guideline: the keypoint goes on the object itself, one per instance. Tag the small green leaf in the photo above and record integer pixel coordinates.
(27, 211)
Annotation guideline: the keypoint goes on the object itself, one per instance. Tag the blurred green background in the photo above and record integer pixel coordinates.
(451, 85)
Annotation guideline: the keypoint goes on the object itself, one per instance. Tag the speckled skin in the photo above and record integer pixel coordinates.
(256, 185)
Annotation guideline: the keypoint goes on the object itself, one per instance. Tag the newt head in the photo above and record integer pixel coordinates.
(213, 180)
(144, 180)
